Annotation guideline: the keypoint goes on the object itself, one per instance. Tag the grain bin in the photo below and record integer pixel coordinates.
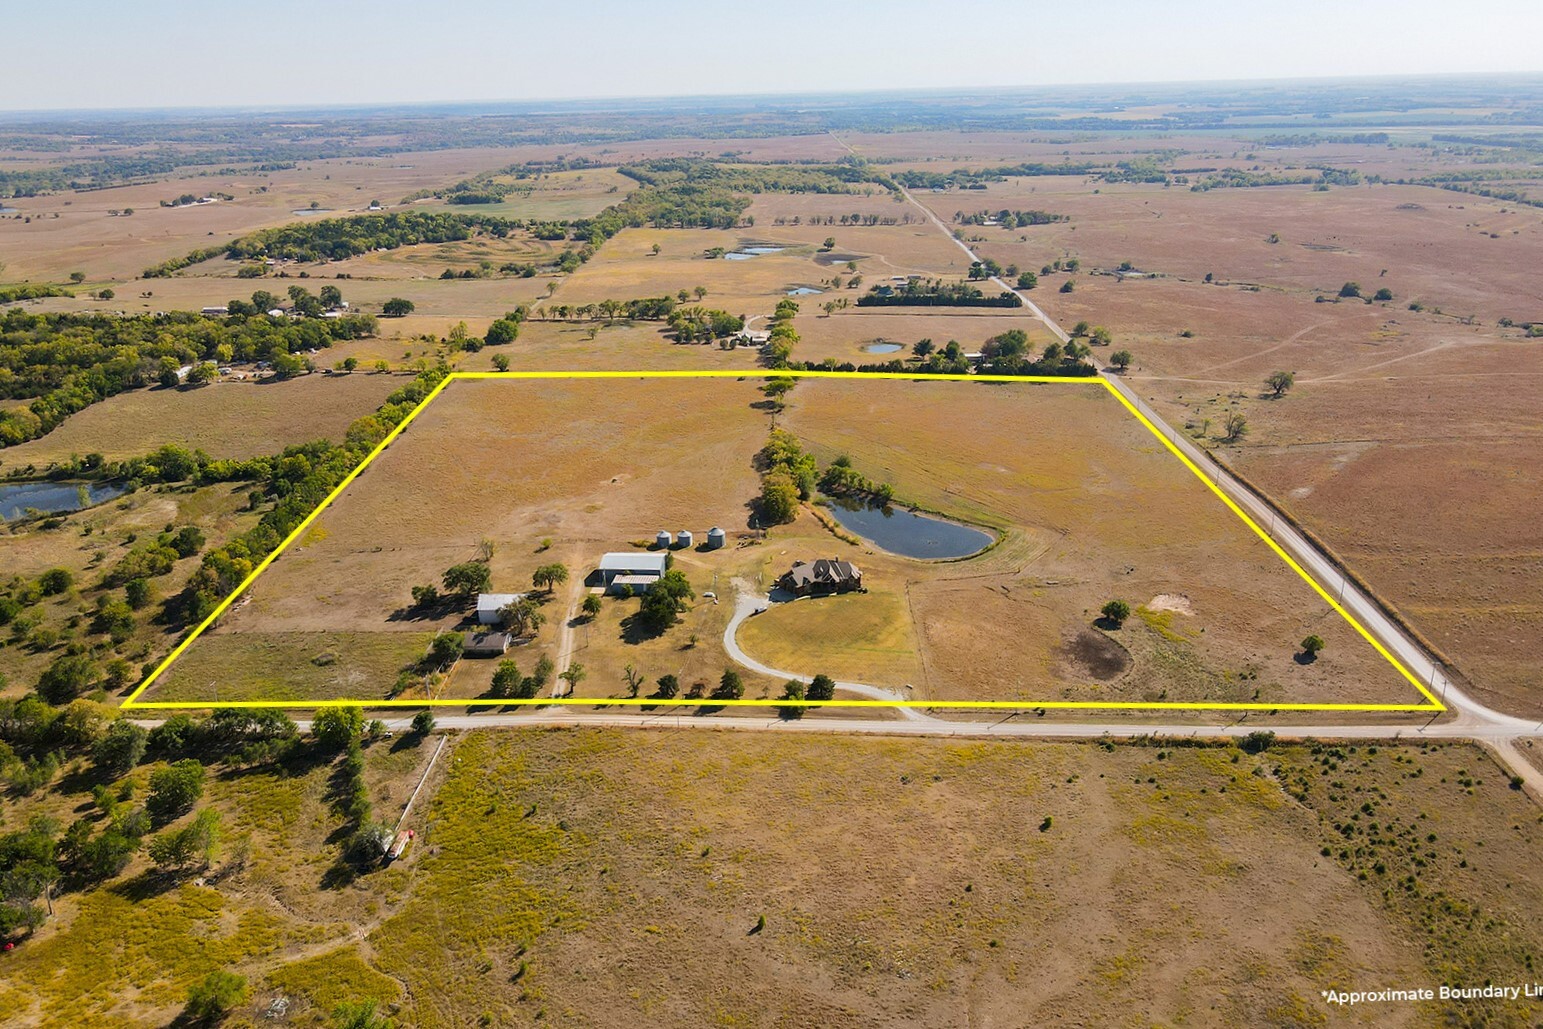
(683, 539)
(715, 538)
(663, 540)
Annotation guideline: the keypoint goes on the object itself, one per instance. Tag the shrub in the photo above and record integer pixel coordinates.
(175, 789)
(1115, 611)
(119, 749)
(334, 728)
(212, 998)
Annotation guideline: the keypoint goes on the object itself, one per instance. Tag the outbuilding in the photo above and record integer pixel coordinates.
(716, 538)
(684, 539)
(490, 606)
(663, 540)
(637, 571)
(486, 644)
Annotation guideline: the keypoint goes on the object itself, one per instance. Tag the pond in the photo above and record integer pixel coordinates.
(53, 497)
(804, 291)
(313, 210)
(746, 253)
(909, 534)
(883, 348)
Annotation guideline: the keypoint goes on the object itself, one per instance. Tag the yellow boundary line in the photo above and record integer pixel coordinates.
(1432, 704)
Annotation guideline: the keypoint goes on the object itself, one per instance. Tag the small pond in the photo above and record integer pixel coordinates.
(53, 497)
(9, 210)
(746, 253)
(883, 348)
(313, 210)
(804, 291)
(907, 533)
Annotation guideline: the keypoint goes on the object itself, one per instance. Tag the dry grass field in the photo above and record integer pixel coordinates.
(89, 544)
(1399, 417)
(1088, 506)
(223, 419)
(590, 878)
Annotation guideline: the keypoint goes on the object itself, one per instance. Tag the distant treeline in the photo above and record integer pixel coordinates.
(27, 291)
(1010, 219)
(1315, 138)
(932, 293)
(977, 178)
(70, 361)
(334, 239)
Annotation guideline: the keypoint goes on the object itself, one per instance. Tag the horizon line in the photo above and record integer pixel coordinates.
(920, 92)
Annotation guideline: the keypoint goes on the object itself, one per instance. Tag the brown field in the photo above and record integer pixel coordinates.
(1087, 504)
(1386, 397)
(223, 419)
(592, 877)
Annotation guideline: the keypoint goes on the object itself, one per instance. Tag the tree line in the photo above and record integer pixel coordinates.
(70, 361)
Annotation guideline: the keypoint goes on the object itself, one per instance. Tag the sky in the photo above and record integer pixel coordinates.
(176, 53)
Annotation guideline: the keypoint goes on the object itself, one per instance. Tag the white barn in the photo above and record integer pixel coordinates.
(490, 604)
(638, 571)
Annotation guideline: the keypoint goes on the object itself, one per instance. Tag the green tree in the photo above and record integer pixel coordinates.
(501, 362)
(423, 723)
(591, 606)
(445, 648)
(1383, 294)
(730, 687)
(198, 841)
(821, 687)
(68, 677)
(1068, 286)
(633, 678)
(575, 674)
(397, 307)
(175, 789)
(467, 578)
(668, 685)
(55, 581)
(1028, 280)
(1121, 359)
(138, 593)
(523, 617)
(548, 576)
(215, 996)
(794, 691)
(1350, 290)
(119, 749)
(1312, 646)
(506, 679)
(335, 728)
(779, 498)
(1280, 382)
(502, 331)
(665, 599)
(1115, 611)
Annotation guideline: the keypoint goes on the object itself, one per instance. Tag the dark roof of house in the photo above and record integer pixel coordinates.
(487, 642)
(827, 571)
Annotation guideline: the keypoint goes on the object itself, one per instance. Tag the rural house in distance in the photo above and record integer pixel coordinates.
(821, 576)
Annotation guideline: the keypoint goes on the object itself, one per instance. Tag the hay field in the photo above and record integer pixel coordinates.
(223, 419)
(1088, 506)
